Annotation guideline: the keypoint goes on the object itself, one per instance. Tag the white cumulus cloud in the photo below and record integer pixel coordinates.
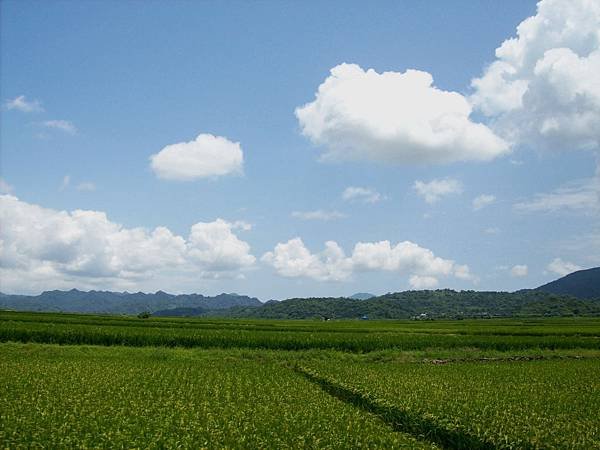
(21, 103)
(483, 200)
(293, 259)
(434, 190)
(394, 117)
(206, 156)
(544, 86)
(362, 194)
(40, 246)
(215, 247)
(562, 268)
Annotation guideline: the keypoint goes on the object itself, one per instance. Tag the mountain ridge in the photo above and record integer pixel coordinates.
(575, 294)
(583, 284)
(110, 302)
(426, 304)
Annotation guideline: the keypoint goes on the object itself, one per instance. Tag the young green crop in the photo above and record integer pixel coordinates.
(534, 404)
(86, 397)
(297, 383)
(344, 336)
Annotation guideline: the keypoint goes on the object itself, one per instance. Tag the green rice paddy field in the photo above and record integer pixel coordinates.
(82, 381)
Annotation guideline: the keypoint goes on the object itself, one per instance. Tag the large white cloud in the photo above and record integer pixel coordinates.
(293, 259)
(215, 246)
(544, 86)
(394, 117)
(206, 156)
(84, 247)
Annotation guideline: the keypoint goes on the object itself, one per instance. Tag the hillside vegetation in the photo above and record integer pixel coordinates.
(577, 294)
(107, 302)
(444, 303)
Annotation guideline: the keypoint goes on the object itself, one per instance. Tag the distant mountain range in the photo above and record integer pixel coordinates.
(573, 295)
(120, 302)
(580, 284)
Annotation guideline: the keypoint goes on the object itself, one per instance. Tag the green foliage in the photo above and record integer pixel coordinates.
(438, 304)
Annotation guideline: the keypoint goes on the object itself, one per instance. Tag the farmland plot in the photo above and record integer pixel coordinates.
(343, 336)
(212, 383)
(534, 404)
(65, 397)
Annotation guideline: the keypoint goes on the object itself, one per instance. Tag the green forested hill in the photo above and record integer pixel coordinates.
(444, 303)
(577, 294)
(580, 284)
(107, 302)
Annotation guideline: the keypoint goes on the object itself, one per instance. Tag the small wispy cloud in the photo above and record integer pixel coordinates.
(86, 186)
(241, 225)
(492, 230)
(578, 196)
(62, 125)
(83, 186)
(562, 268)
(318, 214)
(5, 187)
(66, 181)
(434, 190)
(21, 103)
(483, 200)
(519, 271)
(362, 194)
(586, 246)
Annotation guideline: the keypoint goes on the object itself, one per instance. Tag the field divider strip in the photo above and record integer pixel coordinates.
(400, 420)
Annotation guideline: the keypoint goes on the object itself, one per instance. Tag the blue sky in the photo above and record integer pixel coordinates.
(91, 91)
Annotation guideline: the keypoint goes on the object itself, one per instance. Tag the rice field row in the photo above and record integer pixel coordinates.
(86, 397)
(534, 404)
(565, 326)
(255, 334)
(198, 383)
